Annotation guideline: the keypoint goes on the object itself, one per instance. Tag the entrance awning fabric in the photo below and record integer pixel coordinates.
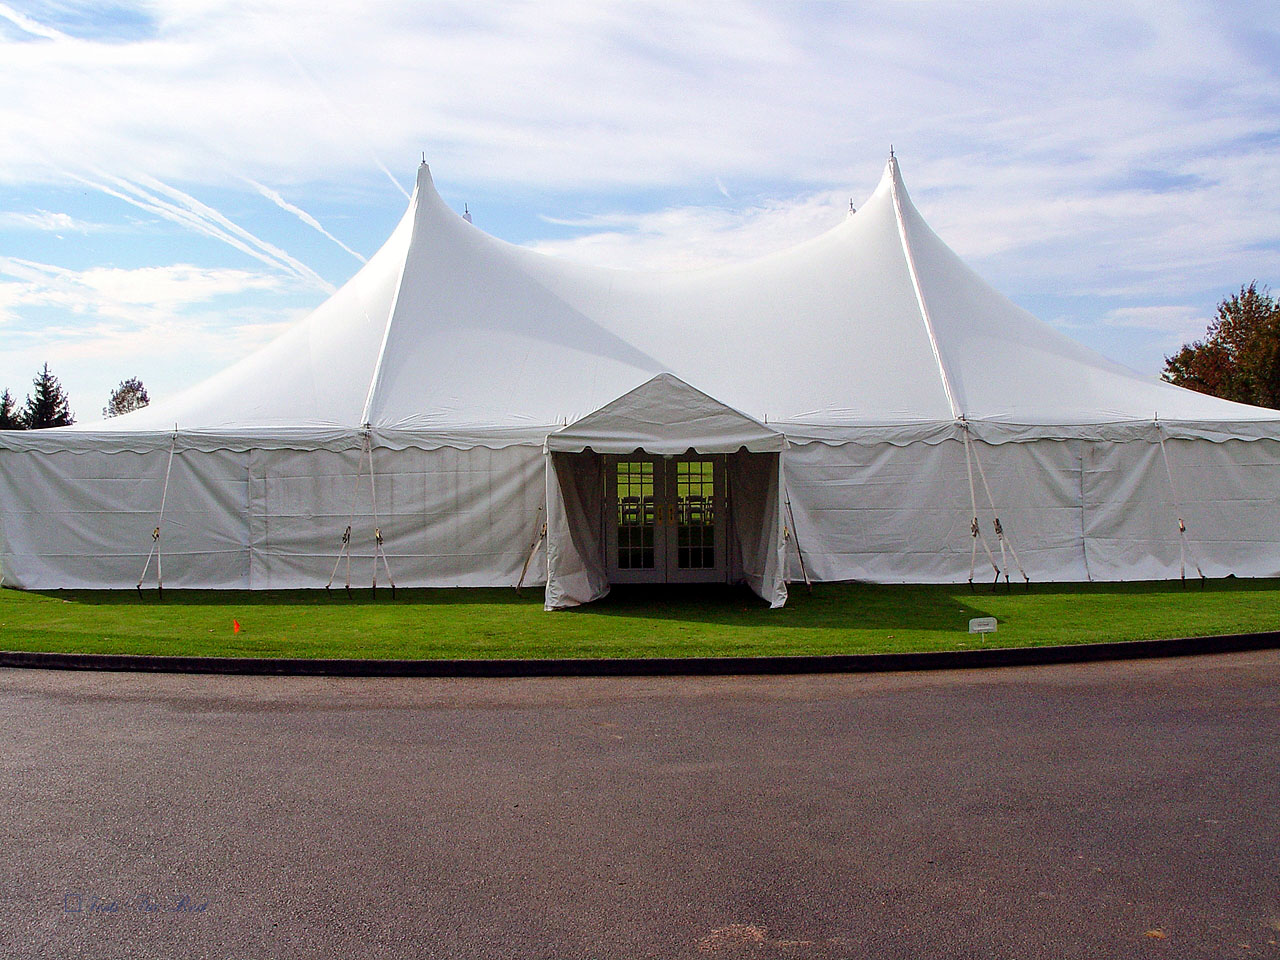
(666, 415)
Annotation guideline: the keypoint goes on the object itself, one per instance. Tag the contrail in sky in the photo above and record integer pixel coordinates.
(150, 194)
(169, 212)
(301, 214)
(27, 25)
(203, 210)
(338, 110)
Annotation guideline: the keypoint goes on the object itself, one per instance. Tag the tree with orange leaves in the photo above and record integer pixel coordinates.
(1239, 358)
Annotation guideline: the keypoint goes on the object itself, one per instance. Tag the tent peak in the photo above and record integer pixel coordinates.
(900, 203)
(892, 176)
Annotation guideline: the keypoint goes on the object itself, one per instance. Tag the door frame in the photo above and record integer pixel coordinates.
(666, 511)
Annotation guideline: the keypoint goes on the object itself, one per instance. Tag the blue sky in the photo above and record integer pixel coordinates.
(181, 180)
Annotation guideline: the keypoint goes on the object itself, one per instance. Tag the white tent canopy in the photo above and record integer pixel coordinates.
(876, 322)
(878, 369)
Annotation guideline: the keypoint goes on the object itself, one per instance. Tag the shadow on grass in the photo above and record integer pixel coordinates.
(830, 606)
(869, 605)
(838, 605)
(433, 596)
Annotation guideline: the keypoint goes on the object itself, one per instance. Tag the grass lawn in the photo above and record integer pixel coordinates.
(634, 622)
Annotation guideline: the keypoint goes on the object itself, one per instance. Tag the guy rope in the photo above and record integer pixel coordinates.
(344, 553)
(155, 534)
(1000, 535)
(789, 533)
(975, 529)
(538, 540)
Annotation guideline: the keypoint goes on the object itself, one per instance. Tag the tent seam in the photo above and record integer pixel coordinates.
(391, 314)
(919, 292)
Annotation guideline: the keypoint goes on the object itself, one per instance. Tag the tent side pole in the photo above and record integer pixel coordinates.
(1177, 509)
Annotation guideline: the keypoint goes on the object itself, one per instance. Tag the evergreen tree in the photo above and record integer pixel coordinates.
(10, 415)
(129, 396)
(48, 406)
(1239, 358)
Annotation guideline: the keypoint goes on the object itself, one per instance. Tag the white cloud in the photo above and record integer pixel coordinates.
(1123, 152)
(1164, 328)
(171, 325)
(1163, 318)
(48, 222)
(139, 296)
(587, 93)
(686, 237)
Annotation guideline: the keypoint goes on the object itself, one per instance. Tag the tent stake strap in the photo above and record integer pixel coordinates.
(344, 552)
(975, 529)
(379, 552)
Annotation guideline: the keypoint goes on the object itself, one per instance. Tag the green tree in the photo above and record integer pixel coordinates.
(10, 415)
(1239, 358)
(129, 396)
(48, 406)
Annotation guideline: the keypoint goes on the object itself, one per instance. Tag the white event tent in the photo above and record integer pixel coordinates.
(843, 409)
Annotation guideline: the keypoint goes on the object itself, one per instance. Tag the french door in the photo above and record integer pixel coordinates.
(665, 518)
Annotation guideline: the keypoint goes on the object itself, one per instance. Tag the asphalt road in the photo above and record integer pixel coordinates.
(1100, 810)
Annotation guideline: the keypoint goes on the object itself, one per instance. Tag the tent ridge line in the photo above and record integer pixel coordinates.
(919, 292)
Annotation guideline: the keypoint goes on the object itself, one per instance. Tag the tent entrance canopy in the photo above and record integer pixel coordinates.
(664, 484)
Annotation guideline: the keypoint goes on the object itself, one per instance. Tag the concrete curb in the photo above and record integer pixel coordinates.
(653, 667)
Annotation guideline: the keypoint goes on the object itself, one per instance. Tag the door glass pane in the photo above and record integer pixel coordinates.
(695, 514)
(635, 515)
